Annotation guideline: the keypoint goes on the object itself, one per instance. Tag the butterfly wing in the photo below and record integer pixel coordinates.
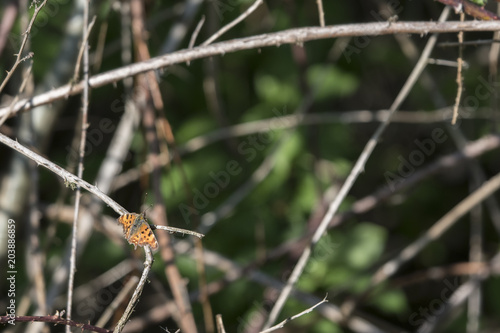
(140, 233)
(137, 231)
(126, 221)
(144, 236)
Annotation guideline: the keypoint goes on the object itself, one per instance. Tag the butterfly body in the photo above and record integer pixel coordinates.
(137, 231)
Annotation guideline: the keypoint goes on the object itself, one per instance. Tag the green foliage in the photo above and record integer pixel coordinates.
(391, 301)
(196, 126)
(366, 243)
(325, 326)
(328, 81)
(275, 92)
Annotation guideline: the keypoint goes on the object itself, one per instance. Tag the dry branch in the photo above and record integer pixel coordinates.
(56, 320)
(284, 322)
(138, 291)
(19, 60)
(69, 178)
(228, 26)
(292, 36)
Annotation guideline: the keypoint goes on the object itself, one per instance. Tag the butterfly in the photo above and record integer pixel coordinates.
(137, 231)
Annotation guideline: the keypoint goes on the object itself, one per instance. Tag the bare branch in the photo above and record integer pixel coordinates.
(19, 60)
(138, 291)
(76, 73)
(228, 26)
(460, 80)
(178, 230)
(69, 178)
(284, 322)
(108, 313)
(84, 51)
(220, 324)
(55, 319)
(292, 36)
(196, 32)
(27, 78)
(321, 13)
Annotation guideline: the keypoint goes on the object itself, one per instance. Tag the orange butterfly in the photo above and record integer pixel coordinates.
(137, 231)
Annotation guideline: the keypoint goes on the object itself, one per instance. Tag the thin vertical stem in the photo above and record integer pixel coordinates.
(83, 136)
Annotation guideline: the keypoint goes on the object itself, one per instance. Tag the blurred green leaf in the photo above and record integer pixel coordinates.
(326, 326)
(391, 301)
(366, 244)
(276, 92)
(327, 81)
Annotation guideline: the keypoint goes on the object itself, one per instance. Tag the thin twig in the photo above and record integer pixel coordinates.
(69, 178)
(179, 29)
(56, 320)
(353, 175)
(448, 63)
(76, 72)
(138, 291)
(475, 256)
(493, 56)
(19, 60)
(231, 24)
(460, 61)
(220, 324)
(178, 230)
(440, 273)
(27, 78)
(97, 55)
(292, 36)
(202, 286)
(284, 322)
(117, 301)
(477, 42)
(321, 13)
(84, 50)
(196, 32)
